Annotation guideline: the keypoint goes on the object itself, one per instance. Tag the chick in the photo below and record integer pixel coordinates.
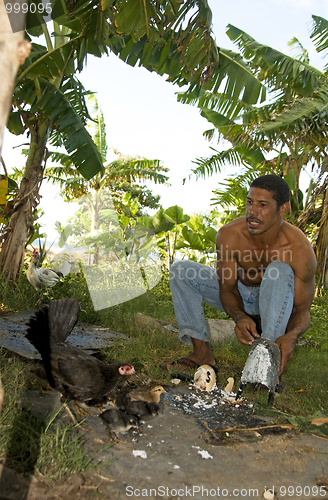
(143, 410)
(41, 378)
(151, 396)
(118, 421)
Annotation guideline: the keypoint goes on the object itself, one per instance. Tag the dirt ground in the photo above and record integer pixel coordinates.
(179, 455)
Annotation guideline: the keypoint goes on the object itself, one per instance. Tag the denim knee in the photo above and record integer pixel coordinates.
(278, 269)
(186, 270)
(178, 269)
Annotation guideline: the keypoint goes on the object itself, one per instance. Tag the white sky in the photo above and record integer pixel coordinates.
(143, 117)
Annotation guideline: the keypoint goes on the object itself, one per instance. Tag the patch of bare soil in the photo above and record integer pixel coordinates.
(196, 447)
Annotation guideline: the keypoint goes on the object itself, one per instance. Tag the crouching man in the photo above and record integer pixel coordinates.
(265, 278)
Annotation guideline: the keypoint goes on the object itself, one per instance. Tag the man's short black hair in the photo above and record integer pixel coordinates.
(276, 185)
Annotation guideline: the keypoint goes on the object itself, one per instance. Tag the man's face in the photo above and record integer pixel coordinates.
(261, 211)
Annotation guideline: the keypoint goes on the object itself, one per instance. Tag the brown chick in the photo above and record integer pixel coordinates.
(41, 378)
(142, 394)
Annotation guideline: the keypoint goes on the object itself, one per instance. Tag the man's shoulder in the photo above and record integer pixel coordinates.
(303, 255)
(295, 234)
(231, 232)
(231, 227)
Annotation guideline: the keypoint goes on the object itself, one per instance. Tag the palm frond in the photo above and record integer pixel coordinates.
(237, 134)
(137, 169)
(212, 165)
(301, 53)
(77, 140)
(48, 64)
(218, 102)
(235, 188)
(275, 68)
(301, 114)
(185, 51)
(319, 34)
(97, 127)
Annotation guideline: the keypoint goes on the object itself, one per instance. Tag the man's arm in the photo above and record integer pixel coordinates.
(231, 300)
(300, 318)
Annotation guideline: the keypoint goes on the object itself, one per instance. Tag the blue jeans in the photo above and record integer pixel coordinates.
(192, 283)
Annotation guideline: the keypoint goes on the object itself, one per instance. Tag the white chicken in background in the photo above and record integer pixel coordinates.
(40, 277)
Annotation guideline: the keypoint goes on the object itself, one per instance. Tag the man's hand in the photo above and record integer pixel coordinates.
(286, 344)
(246, 330)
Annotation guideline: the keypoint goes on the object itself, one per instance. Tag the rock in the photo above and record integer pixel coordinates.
(149, 323)
(220, 329)
(91, 338)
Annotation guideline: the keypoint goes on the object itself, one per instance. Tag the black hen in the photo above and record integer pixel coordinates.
(71, 371)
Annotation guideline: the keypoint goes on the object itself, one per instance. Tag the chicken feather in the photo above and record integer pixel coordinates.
(41, 276)
(71, 371)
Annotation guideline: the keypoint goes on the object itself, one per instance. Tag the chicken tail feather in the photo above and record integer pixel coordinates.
(63, 316)
(52, 324)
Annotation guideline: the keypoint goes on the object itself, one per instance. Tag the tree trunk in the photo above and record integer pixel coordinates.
(95, 224)
(13, 51)
(322, 243)
(20, 227)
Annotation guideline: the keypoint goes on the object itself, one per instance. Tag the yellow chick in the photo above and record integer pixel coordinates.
(151, 396)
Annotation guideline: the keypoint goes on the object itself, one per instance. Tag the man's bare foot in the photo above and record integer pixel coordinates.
(202, 355)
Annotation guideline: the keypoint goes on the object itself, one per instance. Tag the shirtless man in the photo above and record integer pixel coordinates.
(265, 269)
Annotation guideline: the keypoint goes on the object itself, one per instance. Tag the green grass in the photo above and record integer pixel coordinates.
(28, 443)
(57, 451)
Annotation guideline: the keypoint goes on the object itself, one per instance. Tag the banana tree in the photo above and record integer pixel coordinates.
(283, 136)
(118, 178)
(172, 37)
(198, 236)
(48, 102)
(165, 224)
(13, 51)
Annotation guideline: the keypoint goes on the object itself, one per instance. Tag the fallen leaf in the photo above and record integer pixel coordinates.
(319, 421)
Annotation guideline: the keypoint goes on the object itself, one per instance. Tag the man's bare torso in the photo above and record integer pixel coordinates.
(253, 255)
